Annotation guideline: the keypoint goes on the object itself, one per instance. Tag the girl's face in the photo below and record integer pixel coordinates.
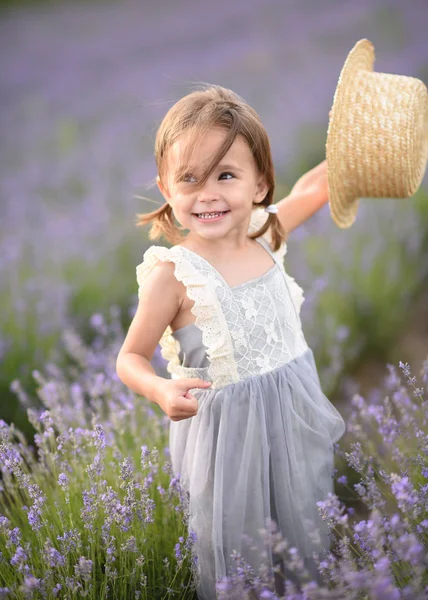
(231, 188)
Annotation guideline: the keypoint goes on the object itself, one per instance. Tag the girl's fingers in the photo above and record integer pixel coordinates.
(189, 396)
(188, 412)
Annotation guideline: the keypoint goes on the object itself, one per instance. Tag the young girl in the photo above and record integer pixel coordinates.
(251, 433)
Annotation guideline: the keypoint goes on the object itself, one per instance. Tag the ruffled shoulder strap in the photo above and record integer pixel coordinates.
(258, 218)
(209, 317)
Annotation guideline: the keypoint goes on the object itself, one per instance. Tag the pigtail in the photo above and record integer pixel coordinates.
(163, 224)
(277, 231)
(279, 234)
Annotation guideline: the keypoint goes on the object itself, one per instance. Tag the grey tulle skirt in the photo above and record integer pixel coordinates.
(258, 449)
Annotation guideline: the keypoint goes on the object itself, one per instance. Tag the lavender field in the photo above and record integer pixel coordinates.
(83, 87)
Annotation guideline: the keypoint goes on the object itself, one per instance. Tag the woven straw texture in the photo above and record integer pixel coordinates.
(377, 140)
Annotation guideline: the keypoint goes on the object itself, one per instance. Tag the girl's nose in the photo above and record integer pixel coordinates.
(209, 191)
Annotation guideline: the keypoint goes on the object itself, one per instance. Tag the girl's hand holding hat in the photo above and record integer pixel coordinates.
(314, 182)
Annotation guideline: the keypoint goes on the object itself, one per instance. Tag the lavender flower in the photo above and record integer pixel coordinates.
(63, 481)
(405, 494)
(130, 545)
(332, 511)
(4, 525)
(83, 569)
(15, 537)
(20, 558)
(30, 584)
(52, 557)
(90, 507)
(70, 541)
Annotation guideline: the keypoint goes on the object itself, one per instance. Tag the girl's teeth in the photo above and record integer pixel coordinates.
(210, 215)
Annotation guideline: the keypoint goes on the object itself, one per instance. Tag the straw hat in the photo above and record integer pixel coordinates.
(377, 138)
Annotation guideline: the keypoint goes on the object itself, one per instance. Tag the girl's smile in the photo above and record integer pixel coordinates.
(214, 217)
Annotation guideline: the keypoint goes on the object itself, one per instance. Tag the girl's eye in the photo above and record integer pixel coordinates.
(187, 177)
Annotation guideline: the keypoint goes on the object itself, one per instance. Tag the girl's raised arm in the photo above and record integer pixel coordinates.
(308, 195)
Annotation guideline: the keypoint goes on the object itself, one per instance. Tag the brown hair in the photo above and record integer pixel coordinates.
(198, 112)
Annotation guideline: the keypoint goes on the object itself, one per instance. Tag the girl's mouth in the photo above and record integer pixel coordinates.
(209, 217)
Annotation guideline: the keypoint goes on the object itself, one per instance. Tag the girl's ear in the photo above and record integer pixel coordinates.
(262, 189)
(163, 190)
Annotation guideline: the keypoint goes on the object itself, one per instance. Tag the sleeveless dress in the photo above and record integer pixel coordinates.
(261, 444)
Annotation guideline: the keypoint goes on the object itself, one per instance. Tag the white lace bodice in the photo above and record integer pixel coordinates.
(248, 329)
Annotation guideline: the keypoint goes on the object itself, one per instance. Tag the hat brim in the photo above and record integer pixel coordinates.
(342, 200)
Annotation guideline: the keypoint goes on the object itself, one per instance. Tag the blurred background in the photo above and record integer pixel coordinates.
(83, 87)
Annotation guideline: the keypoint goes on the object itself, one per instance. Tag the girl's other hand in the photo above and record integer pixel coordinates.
(313, 181)
(175, 399)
